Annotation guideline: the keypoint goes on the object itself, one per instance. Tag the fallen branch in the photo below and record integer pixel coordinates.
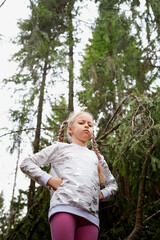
(111, 120)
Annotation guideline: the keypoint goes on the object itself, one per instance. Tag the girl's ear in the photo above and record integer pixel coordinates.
(69, 128)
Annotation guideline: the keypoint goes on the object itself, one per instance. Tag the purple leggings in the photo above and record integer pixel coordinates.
(67, 226)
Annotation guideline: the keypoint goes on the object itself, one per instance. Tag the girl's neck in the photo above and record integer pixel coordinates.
(80, 143)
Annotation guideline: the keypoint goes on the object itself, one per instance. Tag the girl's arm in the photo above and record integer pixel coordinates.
(32, 165)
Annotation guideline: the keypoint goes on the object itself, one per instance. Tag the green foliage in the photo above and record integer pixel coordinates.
(3, 216)
(156, 11)
(155, 162)
(40, 34)
(126, 150)
(59, 113)
(115, 62)
(1, 200)
(35, 224)
(42, 51)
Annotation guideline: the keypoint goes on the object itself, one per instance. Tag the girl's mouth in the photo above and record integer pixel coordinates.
(86, 130)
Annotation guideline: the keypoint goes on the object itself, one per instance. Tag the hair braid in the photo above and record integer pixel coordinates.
(61, 131)
(100, 174)
(95, 148)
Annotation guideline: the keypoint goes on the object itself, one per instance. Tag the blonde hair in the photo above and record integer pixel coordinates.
(69, 122)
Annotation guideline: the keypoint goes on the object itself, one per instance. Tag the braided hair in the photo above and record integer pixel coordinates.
(95, 148)
(61, 131)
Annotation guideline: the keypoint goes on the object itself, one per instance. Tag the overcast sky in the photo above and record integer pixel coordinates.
(10, 12)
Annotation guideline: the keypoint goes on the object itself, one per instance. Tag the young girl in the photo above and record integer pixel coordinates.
(74, 180)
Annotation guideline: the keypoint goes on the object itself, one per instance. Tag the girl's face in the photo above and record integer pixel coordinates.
(82, 129)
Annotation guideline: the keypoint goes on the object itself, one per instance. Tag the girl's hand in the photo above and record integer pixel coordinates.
(100, 196)
(54, 182)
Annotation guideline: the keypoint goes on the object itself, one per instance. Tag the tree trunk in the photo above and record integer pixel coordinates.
(12, 210)
(31, 192)
(71, 63)
(139, 213)
(125, 186)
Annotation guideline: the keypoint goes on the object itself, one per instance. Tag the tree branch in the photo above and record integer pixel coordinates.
(152, 216)
(111, 120)
(2, 3)
(23, 130)
(108, 132)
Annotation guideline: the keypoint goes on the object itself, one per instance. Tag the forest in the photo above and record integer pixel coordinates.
(117, 82)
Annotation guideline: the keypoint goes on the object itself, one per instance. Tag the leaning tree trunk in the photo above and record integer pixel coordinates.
(71, 63)
(12, 210)
(31, 192)
(139, 213)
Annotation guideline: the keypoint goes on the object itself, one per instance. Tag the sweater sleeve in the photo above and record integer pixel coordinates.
(111, 186)
(32, 165)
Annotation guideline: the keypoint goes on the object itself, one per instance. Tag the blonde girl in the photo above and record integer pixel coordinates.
(75, 178)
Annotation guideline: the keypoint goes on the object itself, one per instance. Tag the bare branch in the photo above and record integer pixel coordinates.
(2, 3)
(133, 118)
(108, 132)
(22, 130)
(112, 118)
(140, 106)
(152, 216)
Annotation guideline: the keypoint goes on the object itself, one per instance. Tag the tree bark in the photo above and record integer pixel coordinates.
(139, 213)
(31, 192)
(71, 63)
(12, 210)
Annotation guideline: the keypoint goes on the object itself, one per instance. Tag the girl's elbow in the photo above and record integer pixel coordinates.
(23, 166)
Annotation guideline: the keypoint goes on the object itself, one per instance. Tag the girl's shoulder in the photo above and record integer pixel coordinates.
(55, 146)
(60, 144)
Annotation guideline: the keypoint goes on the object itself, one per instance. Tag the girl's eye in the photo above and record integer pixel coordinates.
(90, 125)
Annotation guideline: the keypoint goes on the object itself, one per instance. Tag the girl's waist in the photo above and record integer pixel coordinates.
(74, 210)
